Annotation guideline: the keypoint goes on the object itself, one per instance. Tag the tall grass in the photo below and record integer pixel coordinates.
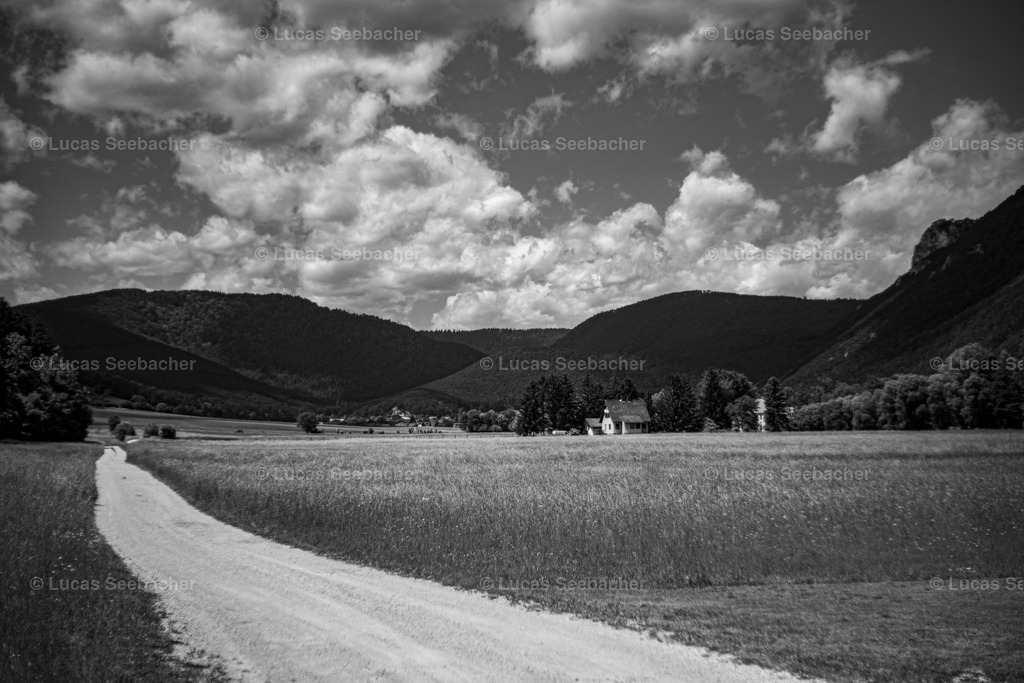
(48, 535)
(662, 510)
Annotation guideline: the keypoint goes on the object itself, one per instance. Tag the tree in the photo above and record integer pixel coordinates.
(41, 398)
(676, 408)
(712, 398)
(742, 413)
(307, 423)
(734, 385)
(904, 403)
(531, 411)
(776, 417)
(561, 407)
(622, 390)
(590, 397)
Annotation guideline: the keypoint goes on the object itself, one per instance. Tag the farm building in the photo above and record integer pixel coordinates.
(593, 426)
(622, 417)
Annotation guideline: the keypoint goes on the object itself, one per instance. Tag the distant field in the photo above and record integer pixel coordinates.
(195, 426)
(65, 614)
(650, 525)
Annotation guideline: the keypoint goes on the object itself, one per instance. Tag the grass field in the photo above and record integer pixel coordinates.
(64, 613)
(812, 552)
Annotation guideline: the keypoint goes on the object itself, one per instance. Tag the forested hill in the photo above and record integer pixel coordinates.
(493, 339)
(281, 340)
(759, 336)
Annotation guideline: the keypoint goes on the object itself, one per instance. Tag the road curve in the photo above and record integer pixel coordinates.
(275, 613)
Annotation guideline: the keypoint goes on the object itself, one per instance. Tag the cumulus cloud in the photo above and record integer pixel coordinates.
(17, 262)
(14, 203)
(860, 96)
(565, 191)
(156, 252)
(15, 137)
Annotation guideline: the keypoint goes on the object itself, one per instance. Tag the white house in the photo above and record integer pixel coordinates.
(623, 417)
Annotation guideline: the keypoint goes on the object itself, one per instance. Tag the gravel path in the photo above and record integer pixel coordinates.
(275, 613)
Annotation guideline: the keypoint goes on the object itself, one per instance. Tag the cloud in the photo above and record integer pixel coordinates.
(32, 293)
(860, 97)
(465, 126)
(540, 115)
(160, 64)
(565, 191)
(17, 261)
(14, 202)
(94, 163)
(15, 138)
(402, 190)
(155, 252)
(613, 91)
(683, 42)
(714, 205)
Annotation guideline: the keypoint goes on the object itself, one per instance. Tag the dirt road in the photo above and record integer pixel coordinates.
(275, 613)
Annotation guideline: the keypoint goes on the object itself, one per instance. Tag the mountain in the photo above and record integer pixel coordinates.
(97, 347)
(759, 336)
(492, 340)
(287, 343)
(965, 285)
(682, 333)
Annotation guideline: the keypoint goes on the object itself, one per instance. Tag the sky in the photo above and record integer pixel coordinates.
(415, 160)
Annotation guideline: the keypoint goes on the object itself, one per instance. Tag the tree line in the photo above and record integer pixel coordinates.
(722, 399)
(973, 389)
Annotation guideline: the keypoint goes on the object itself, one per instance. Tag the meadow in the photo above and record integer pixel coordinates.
(63, 613)
(650, 531)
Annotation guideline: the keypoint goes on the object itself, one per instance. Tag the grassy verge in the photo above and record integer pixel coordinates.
(736, 542)
(63, 616)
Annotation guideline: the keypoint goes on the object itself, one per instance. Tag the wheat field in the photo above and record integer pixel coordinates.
(662, 511)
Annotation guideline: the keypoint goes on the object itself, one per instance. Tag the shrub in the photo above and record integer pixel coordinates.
(307, 423)
(168, 432)
(124, 430)
(113, 421)
(151, 430)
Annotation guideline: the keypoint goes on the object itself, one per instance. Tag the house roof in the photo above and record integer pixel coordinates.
(593, 422)
(627, 411)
